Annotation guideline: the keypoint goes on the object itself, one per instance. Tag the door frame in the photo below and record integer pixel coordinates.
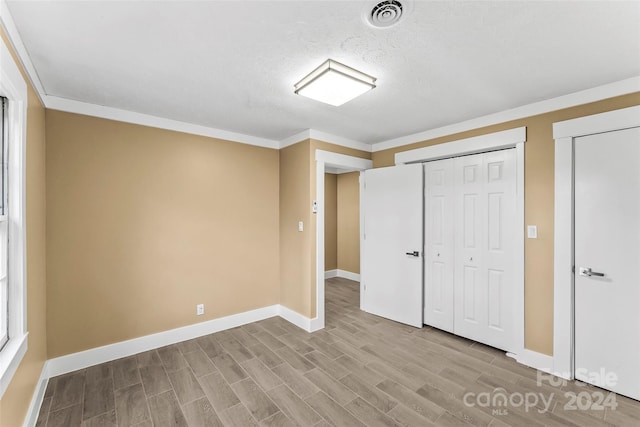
(324, 160)
(512, 138)
(564, 134)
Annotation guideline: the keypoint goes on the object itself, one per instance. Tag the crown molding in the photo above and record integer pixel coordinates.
(325, 137)
(6, 20)
(78, 107)
(622, 87)
(294, 139)
(339, 140)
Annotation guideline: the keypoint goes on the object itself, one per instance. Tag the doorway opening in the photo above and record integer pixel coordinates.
(341, 241)
(337, 164)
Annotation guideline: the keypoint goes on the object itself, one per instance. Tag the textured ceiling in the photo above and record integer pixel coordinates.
(232, 65)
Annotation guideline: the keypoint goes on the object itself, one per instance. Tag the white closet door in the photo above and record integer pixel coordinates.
(484, 279)
(438, 268)
(392, 245)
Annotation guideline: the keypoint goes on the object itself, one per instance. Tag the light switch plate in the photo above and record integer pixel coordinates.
(532, 231)
(300, 226)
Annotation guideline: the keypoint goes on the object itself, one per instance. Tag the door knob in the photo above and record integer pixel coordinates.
(414, 253)
(586, 271)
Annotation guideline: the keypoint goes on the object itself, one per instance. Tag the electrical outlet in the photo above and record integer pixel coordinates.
(200, 309)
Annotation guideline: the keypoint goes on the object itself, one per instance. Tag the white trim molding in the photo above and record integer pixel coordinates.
(117, 114)
(622, 87)
(477, 144)
(294, 139)
(348, 275)
(564, 134)
(38, 397)
(72, 362)
(324, 159)
(14, 88)
(511, 138)
(296, 318)
(325, 137)
(533, 359)
(329, 274)
(339, 140)
(343, 161)
(16, 42)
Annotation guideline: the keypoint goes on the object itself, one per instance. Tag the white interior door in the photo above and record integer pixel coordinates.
(392, 245)
(607, 258)
(484, 266)
(438, 252)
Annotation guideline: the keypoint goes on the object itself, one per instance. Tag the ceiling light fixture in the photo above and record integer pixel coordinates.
(334, 83)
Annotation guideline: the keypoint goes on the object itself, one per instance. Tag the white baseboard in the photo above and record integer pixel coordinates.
(330, 274)
(348, 275)
(38, 397)
(72, 362)
(533, 359)
(296, 318)
(341, 273)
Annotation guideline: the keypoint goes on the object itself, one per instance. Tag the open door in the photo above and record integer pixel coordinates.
(392, 243)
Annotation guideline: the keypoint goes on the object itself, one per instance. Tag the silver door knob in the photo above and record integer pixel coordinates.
(587, 272)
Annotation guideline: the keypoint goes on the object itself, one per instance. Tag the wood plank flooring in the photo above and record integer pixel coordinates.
(360, 370)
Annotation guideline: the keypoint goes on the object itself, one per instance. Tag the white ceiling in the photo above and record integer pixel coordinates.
(232, 64)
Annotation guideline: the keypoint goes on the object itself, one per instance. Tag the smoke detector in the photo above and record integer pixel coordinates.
(385, 14)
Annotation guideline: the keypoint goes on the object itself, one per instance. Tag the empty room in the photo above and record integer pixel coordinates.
(319, 213)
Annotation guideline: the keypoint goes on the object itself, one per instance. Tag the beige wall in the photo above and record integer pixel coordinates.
(295, 246)
(539, 190)
(16, 399)
(330, 221)
(349, 222)
(144, 223)
(298, 249)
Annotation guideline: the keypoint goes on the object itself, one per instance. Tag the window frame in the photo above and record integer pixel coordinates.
(4, 305)
(14, 88)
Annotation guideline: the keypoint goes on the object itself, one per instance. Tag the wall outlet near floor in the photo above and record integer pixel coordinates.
(200, 309)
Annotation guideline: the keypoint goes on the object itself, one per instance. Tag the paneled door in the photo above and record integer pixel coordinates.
(484, 266)
(391, 276)
(607, 256)
(438, 250)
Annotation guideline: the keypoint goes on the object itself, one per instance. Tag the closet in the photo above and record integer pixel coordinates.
(470, 206)
(467, 284)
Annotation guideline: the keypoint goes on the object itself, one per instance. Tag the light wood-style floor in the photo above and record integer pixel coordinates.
(360, 370)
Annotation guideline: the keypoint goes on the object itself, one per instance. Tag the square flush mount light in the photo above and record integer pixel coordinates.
(334, 83)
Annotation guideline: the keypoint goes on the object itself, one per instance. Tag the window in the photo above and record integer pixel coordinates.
(13, 324)
(4, 229)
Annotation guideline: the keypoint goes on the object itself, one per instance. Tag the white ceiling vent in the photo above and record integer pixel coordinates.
(386, 13)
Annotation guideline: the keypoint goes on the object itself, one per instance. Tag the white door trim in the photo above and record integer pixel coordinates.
(511, 138)
(326, 159)
(477, 144)
(564, 134)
